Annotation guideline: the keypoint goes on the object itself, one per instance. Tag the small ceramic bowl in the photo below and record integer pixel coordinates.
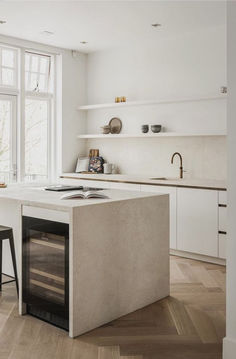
(156, 128)
(106, 129)
(145, 128)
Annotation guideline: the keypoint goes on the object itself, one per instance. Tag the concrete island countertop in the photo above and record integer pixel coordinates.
(135, 179)
(35, 195)
(117, 247)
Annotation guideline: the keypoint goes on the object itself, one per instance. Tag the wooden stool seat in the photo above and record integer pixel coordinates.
(7, 233)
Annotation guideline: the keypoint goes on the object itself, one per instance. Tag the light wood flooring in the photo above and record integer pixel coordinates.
(190, 324)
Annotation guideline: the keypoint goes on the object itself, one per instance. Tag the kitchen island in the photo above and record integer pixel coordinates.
(117, 252)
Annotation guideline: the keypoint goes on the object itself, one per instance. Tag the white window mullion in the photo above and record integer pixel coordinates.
(0, 66)
(21, 122)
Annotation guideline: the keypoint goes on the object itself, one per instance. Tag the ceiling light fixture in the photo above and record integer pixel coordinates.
(156, 25)
(47, 33)
(2, 22)
(83, 42)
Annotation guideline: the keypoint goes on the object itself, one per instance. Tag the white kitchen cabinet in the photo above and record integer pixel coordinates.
(223, 219)
(172, 202)
(197, 221)
(125, 186)
(222, 245)
(222, 224)
(223, 197)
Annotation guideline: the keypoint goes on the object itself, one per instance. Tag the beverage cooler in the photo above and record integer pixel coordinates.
(46, 270)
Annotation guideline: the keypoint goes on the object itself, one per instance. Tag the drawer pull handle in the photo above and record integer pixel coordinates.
(222, 232)
(223, 205)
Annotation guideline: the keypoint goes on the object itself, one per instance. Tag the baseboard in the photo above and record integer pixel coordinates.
(229, 348)
(199, 257)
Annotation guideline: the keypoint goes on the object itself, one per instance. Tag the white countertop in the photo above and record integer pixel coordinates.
(35, 195)
(176, 182)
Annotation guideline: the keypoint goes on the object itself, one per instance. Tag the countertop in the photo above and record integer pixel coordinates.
(35, 195)
(172, 182)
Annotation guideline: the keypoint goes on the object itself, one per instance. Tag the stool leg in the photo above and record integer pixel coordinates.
(13, 255)
(0, 265)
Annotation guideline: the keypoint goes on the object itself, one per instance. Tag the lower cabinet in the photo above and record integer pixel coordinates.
(197, 216)
(125, 186)
(222, 245)
(172, 197)
(197, 221)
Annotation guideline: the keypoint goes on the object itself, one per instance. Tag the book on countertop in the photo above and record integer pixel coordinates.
(84, 195)
(61, 188)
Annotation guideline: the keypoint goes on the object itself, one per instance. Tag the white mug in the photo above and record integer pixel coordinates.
(107, 168)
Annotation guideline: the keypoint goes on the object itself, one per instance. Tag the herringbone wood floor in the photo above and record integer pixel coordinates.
(190, 324)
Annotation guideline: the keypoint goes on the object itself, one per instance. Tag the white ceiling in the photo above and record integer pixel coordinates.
(106, 24)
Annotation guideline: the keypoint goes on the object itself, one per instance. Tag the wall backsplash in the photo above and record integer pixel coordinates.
(203, 157)
(169, 68)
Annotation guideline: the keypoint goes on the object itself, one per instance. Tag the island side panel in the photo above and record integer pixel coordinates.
(120, 259)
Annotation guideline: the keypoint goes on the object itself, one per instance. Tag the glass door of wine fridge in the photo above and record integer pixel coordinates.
(46, 270)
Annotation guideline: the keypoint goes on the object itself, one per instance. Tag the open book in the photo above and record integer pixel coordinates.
(83, 195)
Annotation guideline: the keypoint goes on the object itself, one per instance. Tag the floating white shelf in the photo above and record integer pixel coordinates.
(151, 102)
(152, 135)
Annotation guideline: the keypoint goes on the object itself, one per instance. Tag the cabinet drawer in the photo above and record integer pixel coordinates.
(84, 182)
(172, 200)
(197, 221)
(223, 197)
(223, 219)
(125, 186)
(222, 245)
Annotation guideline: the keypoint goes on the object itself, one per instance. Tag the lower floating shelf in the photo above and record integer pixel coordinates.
(152, 135)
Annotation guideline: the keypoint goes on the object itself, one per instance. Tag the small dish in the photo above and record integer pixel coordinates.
(156, 128)
(145, 128)
(115, 125)
(106, 129)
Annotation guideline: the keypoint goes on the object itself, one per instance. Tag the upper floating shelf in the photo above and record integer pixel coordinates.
(151, 135)
(151, 102)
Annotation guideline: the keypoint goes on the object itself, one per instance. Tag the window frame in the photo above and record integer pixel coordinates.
(15, 68)
(21, 94)
(50, 98)
(49, 68)
(13, 139)
(49, 120)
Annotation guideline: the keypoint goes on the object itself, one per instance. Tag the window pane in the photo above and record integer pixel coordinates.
(27, 61)
(7, 77)
(42, 82)
(33, 84)
(8, 58)
(36, 135)
(38, 67)
(34, 63)
(43, 65)
(5, 125)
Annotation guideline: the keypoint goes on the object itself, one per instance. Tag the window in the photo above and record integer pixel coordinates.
(7, 138)
(36, 139)
(26, 106)
(37, 115)
(37, 72)
(8, 67)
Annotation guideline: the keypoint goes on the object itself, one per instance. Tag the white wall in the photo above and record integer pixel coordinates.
(74, 76)
(230, 340)
(193, 64)
(203, 157)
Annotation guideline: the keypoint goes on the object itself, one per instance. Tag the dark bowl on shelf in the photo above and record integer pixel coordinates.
(145, 128)
(156, 128)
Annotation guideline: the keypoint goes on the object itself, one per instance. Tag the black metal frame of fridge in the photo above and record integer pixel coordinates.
(44, 309)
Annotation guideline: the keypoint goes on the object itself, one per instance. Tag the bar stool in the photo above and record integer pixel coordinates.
(7, 233)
